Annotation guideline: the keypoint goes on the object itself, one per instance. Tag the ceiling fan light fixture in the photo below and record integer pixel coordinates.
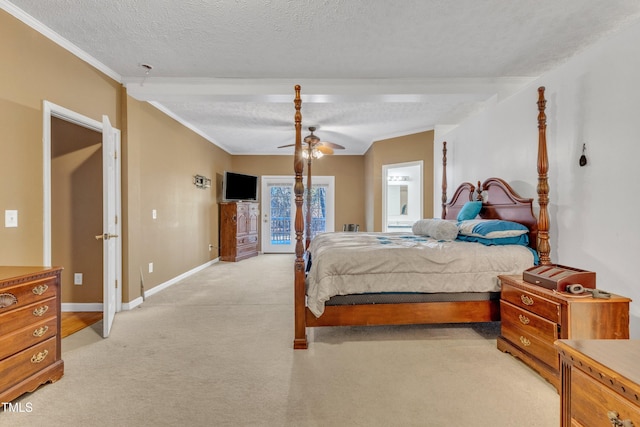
(312, 153)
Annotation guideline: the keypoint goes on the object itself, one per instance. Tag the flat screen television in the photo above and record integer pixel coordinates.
(239, 187)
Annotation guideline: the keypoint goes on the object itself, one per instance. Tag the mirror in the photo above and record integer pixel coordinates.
(398, 198)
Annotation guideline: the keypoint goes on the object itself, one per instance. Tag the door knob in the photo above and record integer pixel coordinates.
(105, 236)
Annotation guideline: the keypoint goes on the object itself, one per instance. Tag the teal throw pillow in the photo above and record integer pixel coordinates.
(470, 210)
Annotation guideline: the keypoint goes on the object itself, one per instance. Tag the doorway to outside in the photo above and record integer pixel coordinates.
(402, 195)
(79, 160)
(279, 208)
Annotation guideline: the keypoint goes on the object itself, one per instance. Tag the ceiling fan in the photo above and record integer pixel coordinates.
(316, 148)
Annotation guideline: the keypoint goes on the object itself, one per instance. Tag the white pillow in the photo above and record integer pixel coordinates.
(439, 229)
(491, 228)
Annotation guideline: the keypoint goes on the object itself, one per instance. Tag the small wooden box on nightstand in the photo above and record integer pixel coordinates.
(533, 318)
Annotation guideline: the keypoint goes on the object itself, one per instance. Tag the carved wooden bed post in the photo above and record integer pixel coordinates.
(300, 332)
(543, 183)
(444, 180)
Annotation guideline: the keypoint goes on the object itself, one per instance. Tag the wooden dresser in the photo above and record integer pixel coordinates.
(239, 230)
(30, 350)
(600, 383)
(533, 318)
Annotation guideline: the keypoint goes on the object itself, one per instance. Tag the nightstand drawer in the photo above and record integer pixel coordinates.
(529, 343)
(591, 403)
(531, 302)
(529, 322)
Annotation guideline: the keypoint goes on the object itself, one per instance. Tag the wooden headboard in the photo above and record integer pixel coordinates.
(500, 201)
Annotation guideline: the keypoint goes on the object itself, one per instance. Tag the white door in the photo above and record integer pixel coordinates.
(279, 208)
(278, 212)
(111, 223)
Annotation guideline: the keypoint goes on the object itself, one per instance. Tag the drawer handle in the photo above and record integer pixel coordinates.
(40, 311)
(615, 420)
(7, 299)
(40, 289)
(523, 319)
(526, 300)
(40, 331)
(525, 342)
(37, 358)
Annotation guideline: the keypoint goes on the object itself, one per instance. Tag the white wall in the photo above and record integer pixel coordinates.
(593, 98)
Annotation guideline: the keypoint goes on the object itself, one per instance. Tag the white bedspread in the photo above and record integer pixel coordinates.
(355, 263)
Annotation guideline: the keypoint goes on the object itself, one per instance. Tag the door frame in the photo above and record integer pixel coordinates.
(52, 110)
(330, 205)
(385, 174)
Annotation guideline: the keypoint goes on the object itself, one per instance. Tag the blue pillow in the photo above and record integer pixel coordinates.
(522, 240)
(470, 210)
(491, 228)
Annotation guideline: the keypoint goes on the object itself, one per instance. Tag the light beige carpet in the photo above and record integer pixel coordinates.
(216, 350)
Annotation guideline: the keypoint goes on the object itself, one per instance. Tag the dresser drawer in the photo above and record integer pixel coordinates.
(247, 240)
(529, 343)
(20, 295)
(27, 362)
(591, 402)
(247, 249)
(531, 302)
(530, 322)
(27, 336)
(27, 315)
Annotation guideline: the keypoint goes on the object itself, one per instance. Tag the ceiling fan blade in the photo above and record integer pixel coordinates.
(288, 145)
(323, 149)
(332, 145)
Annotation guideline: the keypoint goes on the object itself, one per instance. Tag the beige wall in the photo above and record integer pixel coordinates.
(35, 69)
(402, 149)
(161, 158)
(348, 172)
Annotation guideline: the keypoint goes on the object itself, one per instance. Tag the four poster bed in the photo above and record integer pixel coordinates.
(419, 278)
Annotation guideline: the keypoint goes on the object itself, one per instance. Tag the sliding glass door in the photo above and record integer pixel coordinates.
(278, 211)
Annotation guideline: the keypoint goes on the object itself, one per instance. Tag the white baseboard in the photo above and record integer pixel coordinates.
(136, 302)
(162, 286)
(89, 306)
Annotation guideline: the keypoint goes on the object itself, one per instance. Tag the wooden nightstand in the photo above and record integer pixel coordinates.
(600, 383)
(533, 318)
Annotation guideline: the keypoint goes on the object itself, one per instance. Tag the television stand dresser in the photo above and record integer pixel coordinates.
(30, 350)
(239, 230)
(534, 317)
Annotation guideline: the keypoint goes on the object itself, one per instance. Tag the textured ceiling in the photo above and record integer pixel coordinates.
(369, 69)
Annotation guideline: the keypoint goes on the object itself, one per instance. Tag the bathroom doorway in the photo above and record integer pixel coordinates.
(401, 195)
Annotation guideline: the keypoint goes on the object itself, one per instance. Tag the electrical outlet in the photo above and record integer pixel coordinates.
(154, 214)
(210, 247)
(150, 267)
(10, 218)
(77, 278)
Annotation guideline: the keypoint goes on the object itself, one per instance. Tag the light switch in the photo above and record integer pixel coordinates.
(154, 214)
(10, 218)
